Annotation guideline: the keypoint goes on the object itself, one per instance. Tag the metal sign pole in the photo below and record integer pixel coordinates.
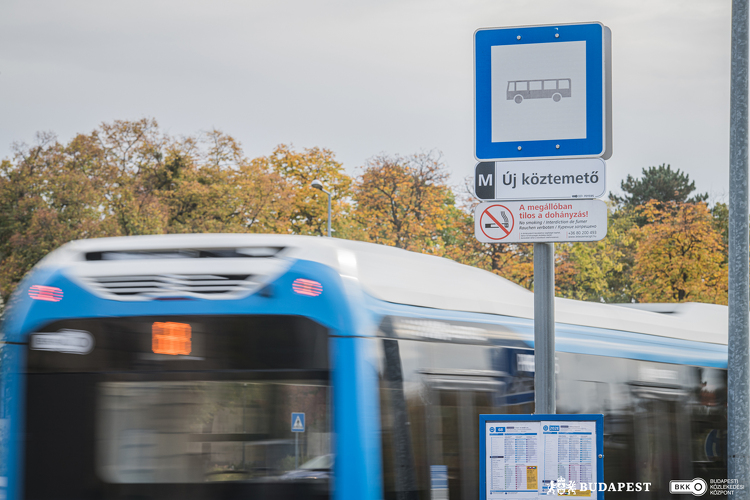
(544, 328)
(738, 443)
(296, 450)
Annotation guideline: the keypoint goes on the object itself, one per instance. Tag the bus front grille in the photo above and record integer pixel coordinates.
(171, 285)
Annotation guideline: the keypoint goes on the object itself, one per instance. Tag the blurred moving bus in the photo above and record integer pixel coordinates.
(168, 367)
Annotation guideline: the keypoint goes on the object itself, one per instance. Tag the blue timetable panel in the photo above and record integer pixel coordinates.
(533, 456)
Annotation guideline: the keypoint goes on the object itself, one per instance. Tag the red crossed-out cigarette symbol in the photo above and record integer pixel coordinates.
(496, 222)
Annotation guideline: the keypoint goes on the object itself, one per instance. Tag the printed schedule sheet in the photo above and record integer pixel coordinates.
(522, 458)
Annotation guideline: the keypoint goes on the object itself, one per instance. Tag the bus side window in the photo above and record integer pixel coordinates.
(511, 86)
(709, 425)
(563, 84)
(521, 86)
(535, 85)
(550, 84)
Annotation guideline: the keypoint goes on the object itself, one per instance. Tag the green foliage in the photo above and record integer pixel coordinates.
(658, 183)
(662, 246)
(599, 271)
(720, 214)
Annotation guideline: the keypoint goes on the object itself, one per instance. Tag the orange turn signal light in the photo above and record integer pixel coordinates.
(171, 338)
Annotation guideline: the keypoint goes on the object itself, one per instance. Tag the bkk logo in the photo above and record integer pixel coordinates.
(697, 487)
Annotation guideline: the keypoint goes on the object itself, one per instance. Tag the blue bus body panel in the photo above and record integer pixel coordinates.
(27, 315)
(582, 339)
(11, 432)
(357, 469)
(357, 421)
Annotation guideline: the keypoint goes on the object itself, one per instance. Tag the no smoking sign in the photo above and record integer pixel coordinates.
(540, 221)
(496, 222)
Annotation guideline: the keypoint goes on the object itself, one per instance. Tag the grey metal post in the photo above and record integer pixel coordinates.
(296, 450)
(544, 328)
(738, 443)
(244, 431)
(329, 213)
(319, 185)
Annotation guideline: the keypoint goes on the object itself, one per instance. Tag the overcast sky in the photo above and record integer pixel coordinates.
(357, 77)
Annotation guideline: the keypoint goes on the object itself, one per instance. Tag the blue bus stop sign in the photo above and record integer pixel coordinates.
(542, 92)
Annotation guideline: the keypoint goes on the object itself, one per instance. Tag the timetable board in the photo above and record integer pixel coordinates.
(521, 456)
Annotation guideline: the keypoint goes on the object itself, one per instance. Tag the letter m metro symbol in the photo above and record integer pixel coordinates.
(484, 180)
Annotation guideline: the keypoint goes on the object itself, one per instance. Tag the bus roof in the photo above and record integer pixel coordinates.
(399, 276)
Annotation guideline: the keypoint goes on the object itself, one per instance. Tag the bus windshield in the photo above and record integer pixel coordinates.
(193, 432)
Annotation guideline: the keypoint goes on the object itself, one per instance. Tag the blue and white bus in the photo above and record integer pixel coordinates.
(169, 366)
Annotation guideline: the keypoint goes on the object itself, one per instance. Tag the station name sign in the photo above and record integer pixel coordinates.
(540, 180)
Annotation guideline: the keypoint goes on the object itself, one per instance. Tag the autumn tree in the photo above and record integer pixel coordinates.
(307, 212)
(599, 271)
(128, 178)
(207, 185)
(513, 261)
(658, 183)
(642, 238)
(720, 214)
(405, 201)
(131, 151)
(680, 255)
(49, 194)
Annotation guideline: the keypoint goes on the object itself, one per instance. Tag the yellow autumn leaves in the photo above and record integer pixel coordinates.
(680, 256)
(130, 178)
(676, 253)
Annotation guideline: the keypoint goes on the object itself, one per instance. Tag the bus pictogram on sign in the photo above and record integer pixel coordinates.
(496, 222)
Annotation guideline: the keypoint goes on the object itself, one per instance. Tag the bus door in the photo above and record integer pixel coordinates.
(662, 436)
(709, 425)
(457, 398)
